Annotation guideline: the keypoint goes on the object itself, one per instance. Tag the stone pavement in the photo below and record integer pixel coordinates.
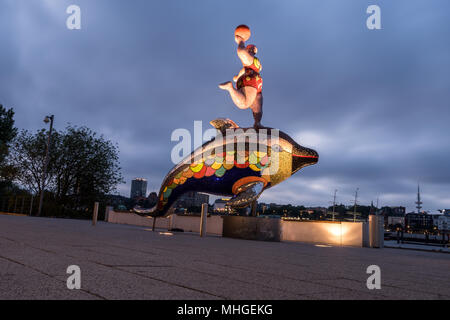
(127, 262)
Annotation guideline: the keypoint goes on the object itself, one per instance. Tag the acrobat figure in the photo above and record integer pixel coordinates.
(248, 91)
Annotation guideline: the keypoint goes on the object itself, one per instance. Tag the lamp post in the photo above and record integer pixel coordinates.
(356, 201)
(334, 203)
(47, 119)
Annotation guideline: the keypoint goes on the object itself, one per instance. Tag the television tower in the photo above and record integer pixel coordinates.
(418, 202)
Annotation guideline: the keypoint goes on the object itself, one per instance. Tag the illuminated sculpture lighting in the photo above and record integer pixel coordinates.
(221, 166)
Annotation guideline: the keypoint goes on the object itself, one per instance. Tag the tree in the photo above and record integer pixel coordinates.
(338, 209)
(28, 159)
(83, 167)
(87, 166)
(7, 133)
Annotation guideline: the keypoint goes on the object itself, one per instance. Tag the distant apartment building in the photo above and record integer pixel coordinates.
(220, 205)
(138, 188)
(419, 222)
(393, 211)
(393, 216)
(192, 199)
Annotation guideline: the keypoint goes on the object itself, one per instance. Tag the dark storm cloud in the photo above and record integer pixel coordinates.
(375, 104)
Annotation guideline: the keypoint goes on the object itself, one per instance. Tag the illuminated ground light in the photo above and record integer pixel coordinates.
(323, 245)
(335, 230)
(162, 233)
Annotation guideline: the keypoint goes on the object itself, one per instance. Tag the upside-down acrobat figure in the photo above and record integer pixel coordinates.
(248, 91)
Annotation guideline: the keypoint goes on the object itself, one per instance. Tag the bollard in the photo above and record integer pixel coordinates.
(94, 216)
(107, 210)
(203, 219)
(376, 231)
(172, 221)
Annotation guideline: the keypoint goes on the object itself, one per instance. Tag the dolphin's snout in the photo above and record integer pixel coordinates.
(302, 157)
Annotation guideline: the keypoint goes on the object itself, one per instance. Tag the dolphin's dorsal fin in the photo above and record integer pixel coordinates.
(223, 124)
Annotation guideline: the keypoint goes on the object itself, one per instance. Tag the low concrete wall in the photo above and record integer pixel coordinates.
(187, 223)
(214, 224)
(251, 228)
(324, 232)
(319, 232)
(134, 219)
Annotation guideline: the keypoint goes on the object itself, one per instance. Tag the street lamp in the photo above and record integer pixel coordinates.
(356, 200)
(334, 203)
(47, 119)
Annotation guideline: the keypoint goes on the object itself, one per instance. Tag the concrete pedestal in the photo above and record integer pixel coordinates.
(376, 231)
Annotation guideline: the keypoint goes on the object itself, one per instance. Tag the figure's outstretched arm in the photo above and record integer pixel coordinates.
(242, 52)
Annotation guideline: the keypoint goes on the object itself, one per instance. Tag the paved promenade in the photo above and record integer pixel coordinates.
(127, 262)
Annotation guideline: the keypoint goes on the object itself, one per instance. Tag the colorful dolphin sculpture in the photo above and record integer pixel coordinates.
(219, 167)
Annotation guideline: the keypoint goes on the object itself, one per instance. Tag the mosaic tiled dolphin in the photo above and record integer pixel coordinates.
(240, 174)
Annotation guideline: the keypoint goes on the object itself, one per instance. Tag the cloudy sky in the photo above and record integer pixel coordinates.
(375, 104)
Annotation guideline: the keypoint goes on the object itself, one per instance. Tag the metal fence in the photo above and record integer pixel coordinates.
(19, 204)
(29, 205)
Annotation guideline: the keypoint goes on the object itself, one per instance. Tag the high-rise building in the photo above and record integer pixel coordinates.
(138, 188)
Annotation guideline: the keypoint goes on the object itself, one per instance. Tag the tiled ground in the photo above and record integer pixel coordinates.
(127, 262)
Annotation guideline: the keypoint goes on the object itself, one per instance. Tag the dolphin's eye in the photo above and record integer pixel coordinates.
(276, 148)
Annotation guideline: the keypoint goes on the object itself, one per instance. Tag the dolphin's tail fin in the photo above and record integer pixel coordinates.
(223, 124)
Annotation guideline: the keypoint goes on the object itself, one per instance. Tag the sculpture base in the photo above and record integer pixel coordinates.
(252, 228)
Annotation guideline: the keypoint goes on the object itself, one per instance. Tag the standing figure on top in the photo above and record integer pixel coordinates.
(248, 91)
